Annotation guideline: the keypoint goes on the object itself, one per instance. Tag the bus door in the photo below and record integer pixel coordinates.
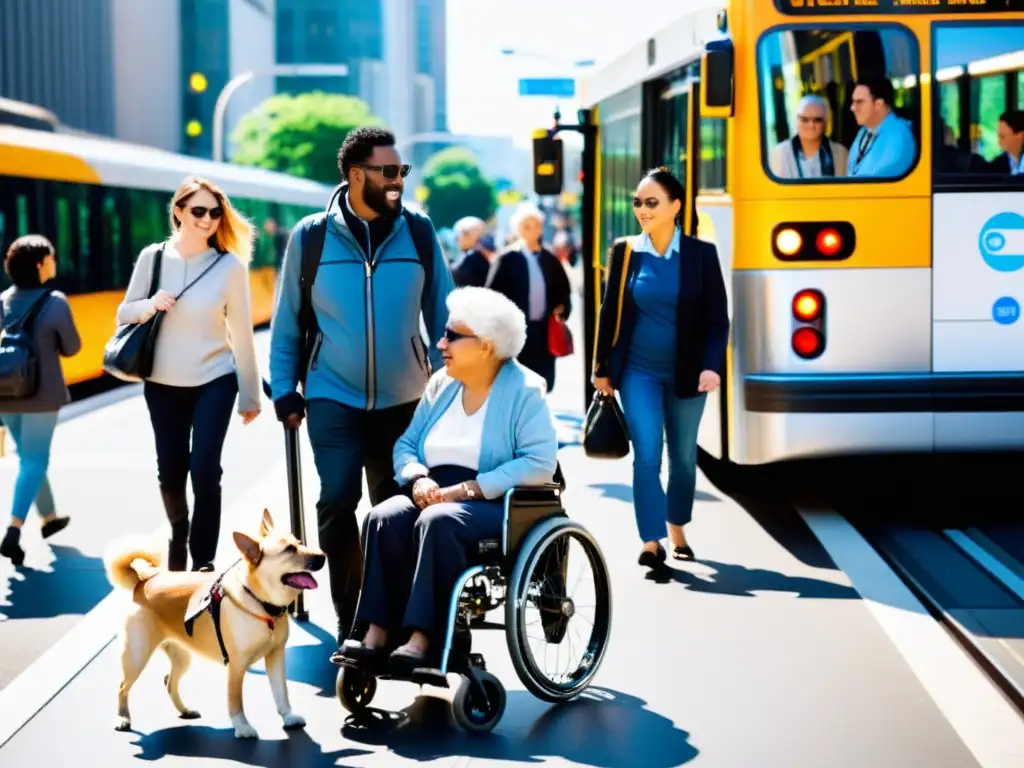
(977, 230)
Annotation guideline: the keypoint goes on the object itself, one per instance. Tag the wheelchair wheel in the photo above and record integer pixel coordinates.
(543, 605)
(355, 689)
(476, 716)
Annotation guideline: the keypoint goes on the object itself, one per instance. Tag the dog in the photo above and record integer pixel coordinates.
(235, 618)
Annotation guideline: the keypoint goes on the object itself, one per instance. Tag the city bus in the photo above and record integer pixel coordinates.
(871, 312)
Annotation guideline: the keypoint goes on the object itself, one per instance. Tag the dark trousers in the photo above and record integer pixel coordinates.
(200, 415)
(345, 442)
(414, 558)
(536, 355)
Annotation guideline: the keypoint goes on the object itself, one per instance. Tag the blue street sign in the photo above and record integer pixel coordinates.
(547, 86)
(1006, 310)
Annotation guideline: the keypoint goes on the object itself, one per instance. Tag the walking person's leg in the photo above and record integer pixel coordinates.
(682, 422)
(384, 427)
(33, 435)
(645, 420)
(170, 413)
(215, 404)
(336, 433)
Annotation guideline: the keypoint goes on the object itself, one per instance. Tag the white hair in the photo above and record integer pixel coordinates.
(468, 224)
(817, 101)
(522, 213)
(491, 316)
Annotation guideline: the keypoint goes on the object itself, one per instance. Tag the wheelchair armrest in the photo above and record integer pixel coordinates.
(546, 492)
(525, 507)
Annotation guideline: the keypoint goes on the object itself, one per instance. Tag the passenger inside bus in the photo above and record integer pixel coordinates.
(884, 145)
(1010, 134)
(811, 154)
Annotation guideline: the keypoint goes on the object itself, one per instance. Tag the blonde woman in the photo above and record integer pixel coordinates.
(205, 356)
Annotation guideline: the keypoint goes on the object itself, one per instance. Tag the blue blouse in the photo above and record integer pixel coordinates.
(655, 289)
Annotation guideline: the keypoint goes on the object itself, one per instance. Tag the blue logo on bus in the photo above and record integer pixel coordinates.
(1002, 242)
(1006, 311)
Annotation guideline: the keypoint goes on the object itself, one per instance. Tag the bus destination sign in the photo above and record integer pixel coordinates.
(852, 7)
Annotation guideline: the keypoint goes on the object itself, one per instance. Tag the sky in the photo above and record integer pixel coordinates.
(483, 95)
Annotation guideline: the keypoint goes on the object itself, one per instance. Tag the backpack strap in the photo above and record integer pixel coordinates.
(423, 238)
(312, 240)
(26, 322)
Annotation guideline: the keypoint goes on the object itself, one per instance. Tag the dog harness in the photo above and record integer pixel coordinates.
(211, 602)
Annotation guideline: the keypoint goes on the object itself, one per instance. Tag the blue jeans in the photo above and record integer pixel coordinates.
(655, 415)
(32, 434)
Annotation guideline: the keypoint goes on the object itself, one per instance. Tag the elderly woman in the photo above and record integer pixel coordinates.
(482, 427)
(536, 282)
(810, 154)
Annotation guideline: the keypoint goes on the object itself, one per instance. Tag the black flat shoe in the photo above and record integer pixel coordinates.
(56, 525)
(683, 553)
(650, 559)
(10, 547)
(355, 650)
(403, 662)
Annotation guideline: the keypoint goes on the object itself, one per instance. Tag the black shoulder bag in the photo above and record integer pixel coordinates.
(605, 435)
(131, 350)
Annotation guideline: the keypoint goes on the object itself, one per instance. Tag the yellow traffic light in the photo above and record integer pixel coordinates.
(197, 82)
(193, 128)
(546, 169)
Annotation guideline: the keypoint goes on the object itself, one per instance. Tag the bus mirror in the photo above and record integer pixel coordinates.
(547, 164)
(716, 75)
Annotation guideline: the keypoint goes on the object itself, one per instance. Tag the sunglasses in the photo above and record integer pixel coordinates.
(650, 202)
(388, 171)
(452, 336)
(198, 211)
(815, 120)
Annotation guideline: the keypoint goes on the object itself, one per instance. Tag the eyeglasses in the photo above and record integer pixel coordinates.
(805, 119)
(201, 210)
(651, 202)
(388, 171)
(452, 336)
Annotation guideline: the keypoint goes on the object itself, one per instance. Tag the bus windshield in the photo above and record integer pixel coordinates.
(839, 104)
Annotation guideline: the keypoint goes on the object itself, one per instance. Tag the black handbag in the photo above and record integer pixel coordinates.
(130, 353)
(605, 435)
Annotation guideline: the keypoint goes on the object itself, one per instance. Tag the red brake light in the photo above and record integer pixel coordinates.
(828, 242)
(808, 342)
(807, 305)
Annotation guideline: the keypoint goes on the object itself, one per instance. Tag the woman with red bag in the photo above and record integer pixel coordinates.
(661, 338)
(534, 280)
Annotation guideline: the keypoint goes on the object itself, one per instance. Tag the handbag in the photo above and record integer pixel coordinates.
(559, 337)
(605, 435)
(130, 352)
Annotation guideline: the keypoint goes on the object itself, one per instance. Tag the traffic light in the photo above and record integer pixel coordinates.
(547, 164)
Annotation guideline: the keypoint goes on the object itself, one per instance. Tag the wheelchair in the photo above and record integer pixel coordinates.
(525, 569)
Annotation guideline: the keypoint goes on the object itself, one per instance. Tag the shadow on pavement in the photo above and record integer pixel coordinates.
(739, 581)
(74, 585)
(600, 728)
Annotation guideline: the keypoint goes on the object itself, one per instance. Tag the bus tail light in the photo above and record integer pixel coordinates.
(808, 334)
(813, 241)
(808, 343)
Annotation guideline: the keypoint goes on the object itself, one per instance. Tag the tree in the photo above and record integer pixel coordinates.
(456, 187)
(300, 134)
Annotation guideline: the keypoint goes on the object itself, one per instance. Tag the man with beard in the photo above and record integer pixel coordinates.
(359, 354)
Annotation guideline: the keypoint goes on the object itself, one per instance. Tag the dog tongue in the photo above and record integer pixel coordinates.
(300, 581)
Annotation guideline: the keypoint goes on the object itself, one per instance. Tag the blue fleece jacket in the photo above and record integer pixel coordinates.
(369, 353)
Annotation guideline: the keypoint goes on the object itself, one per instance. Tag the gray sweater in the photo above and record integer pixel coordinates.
(55, 335)
(208, 332)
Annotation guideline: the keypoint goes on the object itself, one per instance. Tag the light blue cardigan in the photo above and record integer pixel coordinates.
(519, 446)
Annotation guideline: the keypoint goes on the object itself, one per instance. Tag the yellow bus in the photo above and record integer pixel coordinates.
(874, 296)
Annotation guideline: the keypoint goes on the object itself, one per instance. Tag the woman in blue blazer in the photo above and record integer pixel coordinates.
(482, 427)
(661, 338)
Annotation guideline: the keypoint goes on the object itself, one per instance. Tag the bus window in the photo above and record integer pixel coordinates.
(839, 104)
(979, 75)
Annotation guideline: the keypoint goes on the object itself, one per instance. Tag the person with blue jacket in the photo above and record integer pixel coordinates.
(482, 428)
(884, 146)
(368, 365)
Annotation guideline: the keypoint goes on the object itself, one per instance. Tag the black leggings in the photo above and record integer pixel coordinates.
(203, 414)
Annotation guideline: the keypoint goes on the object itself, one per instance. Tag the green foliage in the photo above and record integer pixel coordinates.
(456, 187)
(300, 134)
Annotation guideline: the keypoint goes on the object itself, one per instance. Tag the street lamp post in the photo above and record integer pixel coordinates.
(280, 70)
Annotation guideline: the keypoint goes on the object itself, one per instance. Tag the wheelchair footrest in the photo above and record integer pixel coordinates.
(429, 676)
